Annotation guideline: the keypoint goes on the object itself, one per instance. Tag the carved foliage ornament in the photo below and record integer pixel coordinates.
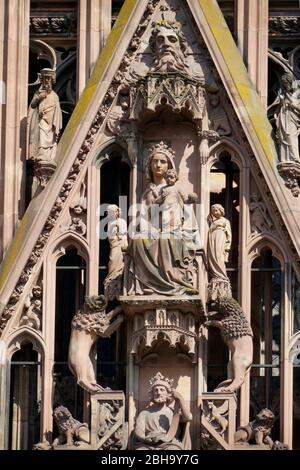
(284, 26)
(64, 25)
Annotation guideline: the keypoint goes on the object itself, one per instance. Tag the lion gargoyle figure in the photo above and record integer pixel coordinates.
(71, 431)
(87, 325)
(228, 316)
(258, 430)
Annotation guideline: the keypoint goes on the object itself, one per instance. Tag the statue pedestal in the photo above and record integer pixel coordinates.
(43, 170)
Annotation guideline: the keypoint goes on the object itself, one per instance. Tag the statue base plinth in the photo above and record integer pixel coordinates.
(43, 170)
(137, 304)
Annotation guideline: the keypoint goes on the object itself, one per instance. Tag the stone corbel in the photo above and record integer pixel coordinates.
(290, 173)
(43, 170)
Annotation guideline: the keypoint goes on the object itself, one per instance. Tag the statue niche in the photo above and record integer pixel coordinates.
(162, 251)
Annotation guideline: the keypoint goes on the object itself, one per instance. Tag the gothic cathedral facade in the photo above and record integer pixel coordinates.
(150, 220)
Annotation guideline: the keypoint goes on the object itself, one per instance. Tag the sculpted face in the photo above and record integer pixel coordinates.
(160, 394)
(159, 165)
(167, 42)
(287, 84)
(216, 212)
(47, 83)
(171, 178)
(113, 211)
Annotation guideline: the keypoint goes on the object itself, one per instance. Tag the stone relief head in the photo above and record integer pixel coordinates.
(171, 177)
(287, 82)
(48, 78)
(161, 389)
(214, 100)
(266, 416)
(217, 211)
(113, 211)
(37, 291)
(160, 160)
(169, 46)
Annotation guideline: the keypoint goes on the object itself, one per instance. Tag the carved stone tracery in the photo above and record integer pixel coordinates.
(62, 25)
(177, 328)
(109, 431)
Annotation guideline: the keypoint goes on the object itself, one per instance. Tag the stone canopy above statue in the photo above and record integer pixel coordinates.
(161, 254)
(171, 80)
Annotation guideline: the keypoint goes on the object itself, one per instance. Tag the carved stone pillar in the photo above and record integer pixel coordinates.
(14, 53)
(252, 32)
(94, 27)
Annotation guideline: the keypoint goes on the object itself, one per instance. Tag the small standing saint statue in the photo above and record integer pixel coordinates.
(45, 119)
(219, 243)
(117, 235)
(288, 120)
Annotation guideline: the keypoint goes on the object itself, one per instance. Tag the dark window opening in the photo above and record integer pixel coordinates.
(70, 292)
(25, 399)
(266, 295)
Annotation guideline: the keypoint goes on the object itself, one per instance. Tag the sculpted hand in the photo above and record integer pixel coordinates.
(42, 95)
(204, 151)
(177, 395)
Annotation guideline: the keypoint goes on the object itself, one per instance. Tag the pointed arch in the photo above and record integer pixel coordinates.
(24, 335)
(106, 150)
(267, 240)
(226, 144)
(66, 241)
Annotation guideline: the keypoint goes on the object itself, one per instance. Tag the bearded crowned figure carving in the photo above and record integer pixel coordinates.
(164, 425)
(169, 45)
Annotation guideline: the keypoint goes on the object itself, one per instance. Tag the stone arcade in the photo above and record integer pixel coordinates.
(150, 292)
